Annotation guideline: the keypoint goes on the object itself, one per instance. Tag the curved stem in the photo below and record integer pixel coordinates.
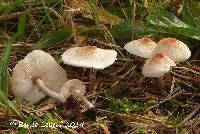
(82, 98)
(40, 83)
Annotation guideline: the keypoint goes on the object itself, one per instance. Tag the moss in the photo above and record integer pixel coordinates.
(142, 131)
(125, 105)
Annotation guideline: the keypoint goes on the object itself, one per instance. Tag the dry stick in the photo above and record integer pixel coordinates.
(169, 97)
(122, 76)
(172, 86)
(4, 18)
(8, 17)
(134, 116)
(187, 84)
(57, 15)
(195, 121)
(190, 115)
(104, 43)
(187, 69)
(184, 77)
(45, 108)
(69, 18)
(18, 45)
(181, 76)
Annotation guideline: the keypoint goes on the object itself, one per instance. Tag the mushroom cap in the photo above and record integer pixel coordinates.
(37, 64)
(142, 47)
(89, 57)
(157, 66)
(75, 85)
(174, 49)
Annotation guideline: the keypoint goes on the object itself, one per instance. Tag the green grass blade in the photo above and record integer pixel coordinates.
(29, 120)
(102, 27)
(4, 66)
(172, 24)
(53, 37)
(5, 101)
(187, 17)
(48, 15)
(21, 27)
(129, 29)
(161, 17)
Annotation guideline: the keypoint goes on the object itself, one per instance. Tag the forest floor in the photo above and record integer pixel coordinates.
(125, 101)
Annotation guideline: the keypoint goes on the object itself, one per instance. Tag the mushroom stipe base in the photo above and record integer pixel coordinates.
(60, 97)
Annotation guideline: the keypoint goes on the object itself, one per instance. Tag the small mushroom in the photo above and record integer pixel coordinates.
(89, 57)
(157, 66)
(142, 47)
(77, 88)
(37, 65)
(72, 87)
(174, 49)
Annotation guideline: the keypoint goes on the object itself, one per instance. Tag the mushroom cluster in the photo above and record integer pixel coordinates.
(38, 75)
(162, 56)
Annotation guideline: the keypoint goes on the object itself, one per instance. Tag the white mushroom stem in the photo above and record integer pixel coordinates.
(82, 98)
(40, 83)
(61, 98)
(161, 82)
(92, 77)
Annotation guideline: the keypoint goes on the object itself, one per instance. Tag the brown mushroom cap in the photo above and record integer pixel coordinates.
(157, 66)
(173, 48)
(142, 47)
(36, 65)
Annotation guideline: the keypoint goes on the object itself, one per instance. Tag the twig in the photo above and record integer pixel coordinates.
(186, 84)
(11, 16)
(169, 97)
(190, 115)
(122, 76)
(18, 45)
(181, 76)
(187, 69)
(172, 86)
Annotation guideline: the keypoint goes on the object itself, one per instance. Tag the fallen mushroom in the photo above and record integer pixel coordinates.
(142, 47)
(77, 88)
(37, 65)
(157, 66)
(89, 57)
(72, 87)
(174, 49)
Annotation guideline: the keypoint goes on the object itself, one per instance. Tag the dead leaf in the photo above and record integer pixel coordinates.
(104, 16)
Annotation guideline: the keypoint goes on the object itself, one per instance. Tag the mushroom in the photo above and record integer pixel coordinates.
(157, 66)
(89, 57)
(72, 87)
(173, 48)
(142, 47)
(37, 65)
(77, 88)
